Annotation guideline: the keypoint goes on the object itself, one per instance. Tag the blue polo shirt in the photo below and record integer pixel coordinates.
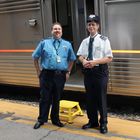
(48, 50)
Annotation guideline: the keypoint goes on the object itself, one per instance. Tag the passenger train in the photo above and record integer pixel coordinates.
(23, 23)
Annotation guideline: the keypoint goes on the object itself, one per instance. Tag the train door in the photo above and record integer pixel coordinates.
(61, 10)
(68, 13)
(71, 14)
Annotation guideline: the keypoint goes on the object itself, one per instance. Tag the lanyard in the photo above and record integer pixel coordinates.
(56, 45)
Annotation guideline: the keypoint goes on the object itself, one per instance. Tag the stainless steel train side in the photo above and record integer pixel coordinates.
(24, 22)
(21, 28)
(121, 24)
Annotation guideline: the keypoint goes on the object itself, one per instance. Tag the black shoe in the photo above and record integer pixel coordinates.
(103, 129)
(58, 123)
(38, 124)
(90, 125)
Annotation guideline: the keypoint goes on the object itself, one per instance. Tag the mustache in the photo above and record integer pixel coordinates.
(57, 32)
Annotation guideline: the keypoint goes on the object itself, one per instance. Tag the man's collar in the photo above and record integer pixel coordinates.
(94, 35)
(54, 39)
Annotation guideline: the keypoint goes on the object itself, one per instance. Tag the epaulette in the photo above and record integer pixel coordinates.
(103, 37)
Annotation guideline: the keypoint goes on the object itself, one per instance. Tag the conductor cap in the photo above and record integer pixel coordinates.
(94, 18)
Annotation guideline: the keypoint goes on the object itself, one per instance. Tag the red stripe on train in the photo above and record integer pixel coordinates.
(15, 51)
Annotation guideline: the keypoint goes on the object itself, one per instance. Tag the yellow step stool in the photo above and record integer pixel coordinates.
(69, 109)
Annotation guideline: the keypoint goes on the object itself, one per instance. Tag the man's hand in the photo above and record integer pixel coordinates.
(89, 64)
(67, 75)
(38, 73)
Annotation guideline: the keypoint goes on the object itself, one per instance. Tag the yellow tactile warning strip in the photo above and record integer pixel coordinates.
(119, 129)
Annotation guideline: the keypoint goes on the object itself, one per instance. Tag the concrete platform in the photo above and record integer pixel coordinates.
(17, 120)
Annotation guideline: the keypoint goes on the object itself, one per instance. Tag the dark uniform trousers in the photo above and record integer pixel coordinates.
(51, 87)
(95, 81)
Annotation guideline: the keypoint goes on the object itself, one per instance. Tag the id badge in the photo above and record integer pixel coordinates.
(58, 59)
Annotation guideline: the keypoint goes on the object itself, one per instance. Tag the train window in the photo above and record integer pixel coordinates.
(123, 24)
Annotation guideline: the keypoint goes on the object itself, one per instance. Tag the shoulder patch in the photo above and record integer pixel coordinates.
(103, 37)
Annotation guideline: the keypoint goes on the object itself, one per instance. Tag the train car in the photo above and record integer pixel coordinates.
(23, 23)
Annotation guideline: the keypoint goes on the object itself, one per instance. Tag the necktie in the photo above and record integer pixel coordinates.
(56, 44)
(90, 56)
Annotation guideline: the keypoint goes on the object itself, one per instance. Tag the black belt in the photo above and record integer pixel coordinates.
(55, 71)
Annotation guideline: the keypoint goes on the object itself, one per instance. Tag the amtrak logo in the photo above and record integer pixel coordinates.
(65, 48)
(91, 16)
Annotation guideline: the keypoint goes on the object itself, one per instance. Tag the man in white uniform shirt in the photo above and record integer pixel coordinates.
(94, 53)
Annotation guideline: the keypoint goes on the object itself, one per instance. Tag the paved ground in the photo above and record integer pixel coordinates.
(17, 120)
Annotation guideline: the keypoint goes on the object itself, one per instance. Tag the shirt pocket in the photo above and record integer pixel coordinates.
(98, 52)
(63, 54)
(47, 54)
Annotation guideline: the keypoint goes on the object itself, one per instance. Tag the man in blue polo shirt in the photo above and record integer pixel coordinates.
(53, 60)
